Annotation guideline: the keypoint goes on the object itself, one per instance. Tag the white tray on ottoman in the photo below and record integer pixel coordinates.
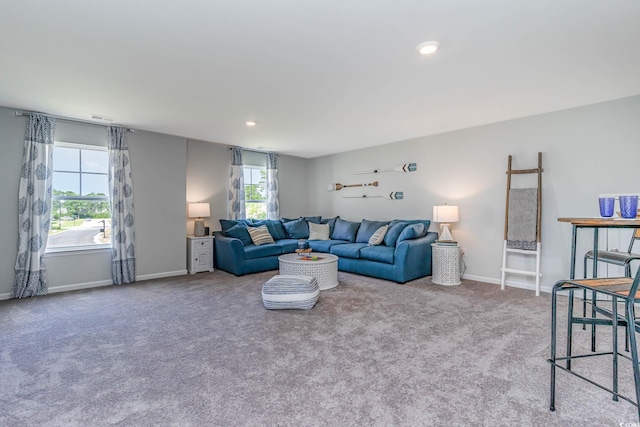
(286, 291)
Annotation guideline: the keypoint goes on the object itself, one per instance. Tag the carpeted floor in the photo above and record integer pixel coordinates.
(201, 350)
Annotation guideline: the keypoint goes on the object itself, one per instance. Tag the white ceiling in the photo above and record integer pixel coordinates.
(319, 76)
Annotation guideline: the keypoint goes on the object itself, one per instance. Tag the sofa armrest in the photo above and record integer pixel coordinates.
(229, 253)
(413, 257)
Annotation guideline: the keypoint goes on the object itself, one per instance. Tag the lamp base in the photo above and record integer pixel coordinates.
(445, 235)
(198, 227)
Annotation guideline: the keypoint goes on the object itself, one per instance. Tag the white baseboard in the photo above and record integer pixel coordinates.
(510, 283)
(99, 283)
(161, 275)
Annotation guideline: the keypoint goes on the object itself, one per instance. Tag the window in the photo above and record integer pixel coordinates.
(255, 192)
(81, 212)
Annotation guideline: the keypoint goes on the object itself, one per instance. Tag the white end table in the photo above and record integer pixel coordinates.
(446, 264)
(199, 254)
(324, 269)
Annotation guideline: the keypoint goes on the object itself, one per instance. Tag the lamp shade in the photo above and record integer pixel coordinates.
(445, 213)
(199, 210)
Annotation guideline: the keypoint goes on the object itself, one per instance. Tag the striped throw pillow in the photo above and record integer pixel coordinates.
(378, 237)
(260, 235)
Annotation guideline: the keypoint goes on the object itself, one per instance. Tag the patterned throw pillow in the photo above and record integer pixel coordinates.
(378, 236)
(260, 235)
(319, 231)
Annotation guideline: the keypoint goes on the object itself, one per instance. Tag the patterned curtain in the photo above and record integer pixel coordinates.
(123, 264)
(273, 205)
(236, 186)
(34, 207)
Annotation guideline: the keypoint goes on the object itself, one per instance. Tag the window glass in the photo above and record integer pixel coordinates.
(95, 185)
(64, 182)
(255, 192)
(66, 159)
(80, 211)
(95, 161)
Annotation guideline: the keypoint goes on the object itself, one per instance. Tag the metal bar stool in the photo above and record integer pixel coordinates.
(620, 290)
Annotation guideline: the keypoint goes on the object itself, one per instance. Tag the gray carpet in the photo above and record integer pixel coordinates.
(201, 350)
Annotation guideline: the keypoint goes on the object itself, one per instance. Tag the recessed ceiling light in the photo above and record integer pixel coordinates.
(427, 48)
(250, 123)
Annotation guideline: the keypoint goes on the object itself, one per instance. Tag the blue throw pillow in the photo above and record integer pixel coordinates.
(425, 222)
(331, 222)
(226, 224)
(395, 228)
(367, 228)
(239, 231)
(297, 229)
(274, 226)
(411, 231)
(345, 230)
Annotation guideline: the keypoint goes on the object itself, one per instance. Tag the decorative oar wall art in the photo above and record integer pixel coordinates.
(407, 167)
(338, 186)
(394, 195)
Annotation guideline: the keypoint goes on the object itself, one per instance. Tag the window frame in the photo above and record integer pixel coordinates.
(256, 201)
(90, 248)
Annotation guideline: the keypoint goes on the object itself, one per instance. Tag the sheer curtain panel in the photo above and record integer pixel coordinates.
(34, 207)
(123, 264)
(236, 186)
(273, 205)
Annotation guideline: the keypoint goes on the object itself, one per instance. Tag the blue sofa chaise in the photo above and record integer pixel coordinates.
(404, 255)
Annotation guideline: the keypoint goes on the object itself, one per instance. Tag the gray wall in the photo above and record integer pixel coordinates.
(586, 151)
(208, 180)
(159, 173)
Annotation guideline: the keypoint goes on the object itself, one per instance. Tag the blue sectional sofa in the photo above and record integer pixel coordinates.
(403, 255)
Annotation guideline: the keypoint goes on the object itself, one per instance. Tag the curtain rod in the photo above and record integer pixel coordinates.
(252, 151)
(69, 119)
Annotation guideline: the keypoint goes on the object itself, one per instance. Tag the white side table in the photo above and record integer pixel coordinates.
(324, 269)
(446, 264)
(199, 254)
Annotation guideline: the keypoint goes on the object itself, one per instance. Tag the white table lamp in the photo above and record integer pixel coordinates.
(445, 215)
(199, 211)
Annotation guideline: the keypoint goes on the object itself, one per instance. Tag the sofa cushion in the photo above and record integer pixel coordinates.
(260, 235)
(252, 251)
(367, 228)
(378, 253)
(324, 245)
(275, 227)
(425, 222)
(348, 250)
(345, 230)
(394, 232)
(297, 229)
(331, 222)
(315, 219)
(378, 237)
(319, 231)
(226, 224)
(287, 245)
(410, 232)
(239, 231)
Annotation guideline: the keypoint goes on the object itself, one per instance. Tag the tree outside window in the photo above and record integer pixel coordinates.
(255, 192)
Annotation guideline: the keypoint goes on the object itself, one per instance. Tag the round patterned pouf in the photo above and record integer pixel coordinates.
(288, 291)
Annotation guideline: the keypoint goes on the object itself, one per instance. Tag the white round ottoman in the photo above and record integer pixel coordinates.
(288, 291)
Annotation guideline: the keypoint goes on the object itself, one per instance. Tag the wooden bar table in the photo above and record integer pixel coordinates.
(596, 224)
